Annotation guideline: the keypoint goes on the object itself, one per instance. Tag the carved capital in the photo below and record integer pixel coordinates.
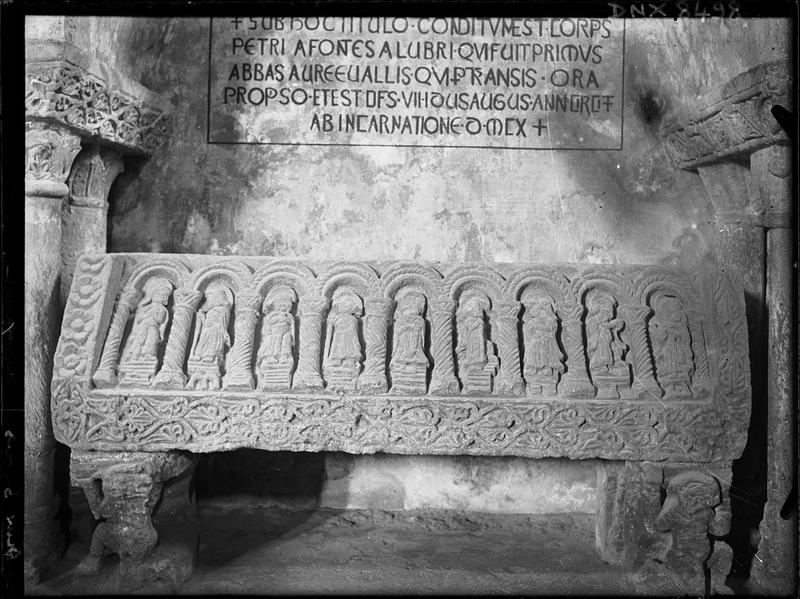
(92, 175)
(378, 306)
(248, 303)
(185, 297)
(447, 306)
(507, 309)
(49, 153)
(570, 310)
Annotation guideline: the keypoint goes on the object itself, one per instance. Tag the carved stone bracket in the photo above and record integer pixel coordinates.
(124, 490)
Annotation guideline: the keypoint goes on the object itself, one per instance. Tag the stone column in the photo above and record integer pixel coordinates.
(643, 379)
(775, 564)
(239, 376)
(49, 152)
(575, 382)
(312, 312)
(509, 379)
(377, 321)
(85, 216)
(443, 377)
(106, 374)
(172, 375)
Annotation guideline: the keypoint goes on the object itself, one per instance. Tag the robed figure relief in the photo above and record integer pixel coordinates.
(342, 356)
(672, 347)
(275, 358)
(604, 346)
(477, 357)
(409, 364)
(211, 339)
(544, 361)
(140, 358)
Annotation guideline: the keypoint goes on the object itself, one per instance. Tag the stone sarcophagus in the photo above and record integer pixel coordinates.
(647, 366)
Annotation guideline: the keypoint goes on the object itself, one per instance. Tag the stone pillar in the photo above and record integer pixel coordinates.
(85, 215)
(239, 376)
(106, 374)
(644, 382)
(509, 379)
(443, 377)
(775, 565)
(312, 311)
(49, 152)
(377, 321)
(575, 382)
(172, 375)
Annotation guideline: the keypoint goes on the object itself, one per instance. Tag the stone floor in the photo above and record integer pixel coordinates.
(250, 550)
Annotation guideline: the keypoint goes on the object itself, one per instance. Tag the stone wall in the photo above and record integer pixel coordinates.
(370, 203)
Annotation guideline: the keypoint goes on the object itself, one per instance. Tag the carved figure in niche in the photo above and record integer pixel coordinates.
(409, 364)
(606, 349)
(275, 358)
(477, 357)
(672, 347)
(342, 353)
(687, 513)
(140, 358)
(211, 339)
(544, 361)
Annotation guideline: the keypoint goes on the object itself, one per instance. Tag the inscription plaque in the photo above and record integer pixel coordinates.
(527, 83)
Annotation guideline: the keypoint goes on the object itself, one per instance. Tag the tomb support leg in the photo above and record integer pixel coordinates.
(148, 516)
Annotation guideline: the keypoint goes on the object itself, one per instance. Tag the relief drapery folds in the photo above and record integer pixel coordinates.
(409, 330)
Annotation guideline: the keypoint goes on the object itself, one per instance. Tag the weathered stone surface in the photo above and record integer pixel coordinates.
(66, 86)
(626, 424)
(132, 493)
(734, 120)
(49, 152)
(665, 520)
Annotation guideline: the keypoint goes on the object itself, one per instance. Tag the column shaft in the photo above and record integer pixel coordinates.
(377, 321)
(239, 374)
(312, 310)
(443, 378)
(172, 375)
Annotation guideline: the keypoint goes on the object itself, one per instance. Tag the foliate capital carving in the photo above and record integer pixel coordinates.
(378, 306)
(569, 310)
(507, 309)
(443, 305)
(313, 305)
(49, 154)
(635, 312)
(737, 121)
(187, 297)
(248, 302)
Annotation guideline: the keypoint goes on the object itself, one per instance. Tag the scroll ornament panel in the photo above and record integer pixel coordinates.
(634, 340)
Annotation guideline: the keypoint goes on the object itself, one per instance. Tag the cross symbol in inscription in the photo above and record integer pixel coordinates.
(538, 126)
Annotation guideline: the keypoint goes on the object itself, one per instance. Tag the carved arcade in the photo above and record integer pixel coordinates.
(612, 349)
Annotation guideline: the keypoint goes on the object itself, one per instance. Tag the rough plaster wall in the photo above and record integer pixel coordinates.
(629, 206)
